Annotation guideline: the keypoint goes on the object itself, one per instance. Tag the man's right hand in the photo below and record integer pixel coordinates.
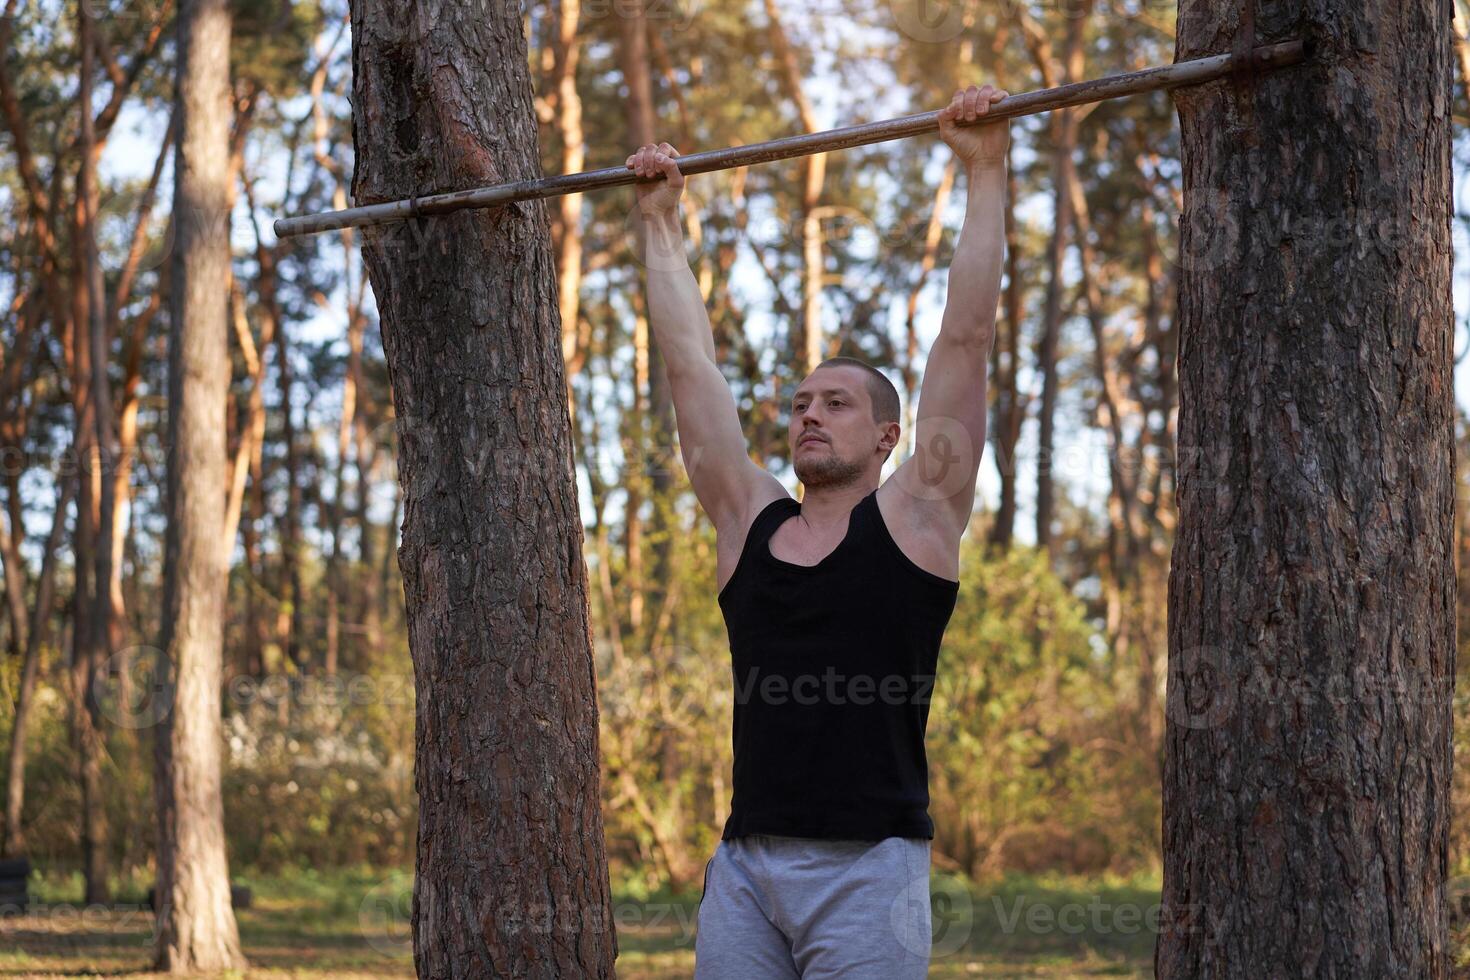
(662, 196)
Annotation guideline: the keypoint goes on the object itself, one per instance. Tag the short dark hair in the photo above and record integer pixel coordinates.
(880, 390)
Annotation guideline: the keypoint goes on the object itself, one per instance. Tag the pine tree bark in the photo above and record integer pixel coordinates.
(1312, 595)
(511, 876)
(197, 930)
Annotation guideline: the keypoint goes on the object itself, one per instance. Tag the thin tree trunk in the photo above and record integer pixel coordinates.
(1462, 45)
(567, 47)
(909, 370)
(1123, 549)
(127, 413)
(12, 565)
(635, 483)
(1312, 598)
(356, 323)
(1064, 141)
(196, 930)
(1121, 574)
(1009, 409)
(511, 878)
(35, 640)
(102, 598)
(814, 176)
(253, 430)
(351, 382)
(368, 608)
(253, 653)
(85, 719)
(1064, 136)
(89, 620)
(390, 598)
(638, 109)
(289, 588)
(288, 630)
(650, 455)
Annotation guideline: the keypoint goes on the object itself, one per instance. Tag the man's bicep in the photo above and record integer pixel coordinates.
(949, 432)
(712, 444)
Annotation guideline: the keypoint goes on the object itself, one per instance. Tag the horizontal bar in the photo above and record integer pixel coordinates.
(1192, 72)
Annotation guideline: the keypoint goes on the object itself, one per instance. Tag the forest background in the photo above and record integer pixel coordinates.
(1045, 734)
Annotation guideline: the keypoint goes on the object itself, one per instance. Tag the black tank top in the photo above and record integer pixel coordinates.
(834, 667)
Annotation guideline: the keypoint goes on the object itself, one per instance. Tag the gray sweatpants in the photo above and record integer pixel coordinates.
(781, 908)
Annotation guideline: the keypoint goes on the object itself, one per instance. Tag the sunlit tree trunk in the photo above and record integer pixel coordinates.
(1008, 409)
(1312, 599)
(1064, 141)
(91, 616)
(909, 370)
(127, 414)
(351, 387)
(289, 621)
(814, 175)
(97, 336)
(511, 878)
(567, 49)
(650, 468)
(196, 929)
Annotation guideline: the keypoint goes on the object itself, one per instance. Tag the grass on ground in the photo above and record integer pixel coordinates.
(355, 924)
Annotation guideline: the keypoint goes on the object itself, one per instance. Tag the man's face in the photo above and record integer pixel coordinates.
(832, 435)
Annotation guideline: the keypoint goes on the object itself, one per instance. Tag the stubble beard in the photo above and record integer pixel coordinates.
(827, 470)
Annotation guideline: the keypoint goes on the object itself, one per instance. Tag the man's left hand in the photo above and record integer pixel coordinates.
(975, 145)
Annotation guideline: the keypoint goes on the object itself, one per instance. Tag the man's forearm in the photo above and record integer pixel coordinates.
(676, 312)
(974, 273)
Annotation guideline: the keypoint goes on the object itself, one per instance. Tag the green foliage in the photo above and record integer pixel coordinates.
(1022, 766)
(323, 783)
(665, 721)
(271, 44)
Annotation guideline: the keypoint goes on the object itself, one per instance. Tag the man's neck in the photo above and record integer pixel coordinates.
(830, 506)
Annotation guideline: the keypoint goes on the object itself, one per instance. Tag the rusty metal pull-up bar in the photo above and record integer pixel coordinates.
(1193, 72)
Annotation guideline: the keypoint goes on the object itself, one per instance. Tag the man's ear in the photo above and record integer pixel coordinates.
(891, 433)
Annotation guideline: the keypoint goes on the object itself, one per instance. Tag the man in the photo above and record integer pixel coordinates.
(835, 606)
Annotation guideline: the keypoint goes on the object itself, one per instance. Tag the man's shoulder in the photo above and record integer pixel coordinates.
(920, 529)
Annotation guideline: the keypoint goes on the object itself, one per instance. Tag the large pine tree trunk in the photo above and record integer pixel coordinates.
(511, 875)
(197, 930)
(1312, 595)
